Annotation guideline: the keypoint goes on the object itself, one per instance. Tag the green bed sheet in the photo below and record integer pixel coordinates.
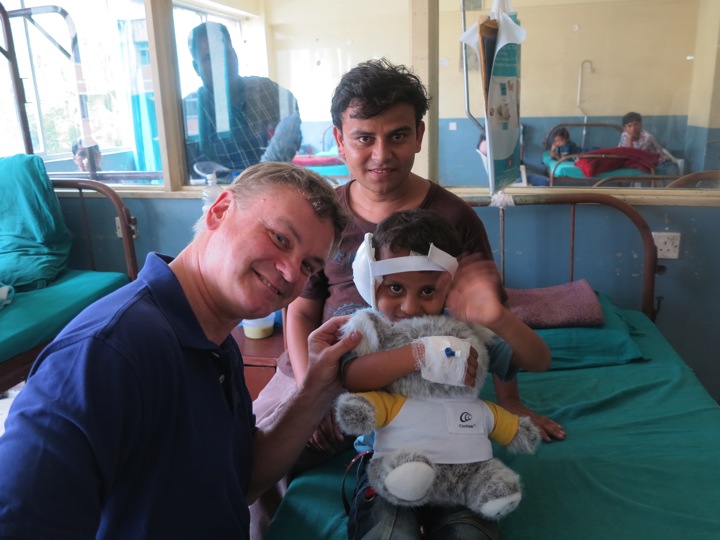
(35, 317)
(641, 458)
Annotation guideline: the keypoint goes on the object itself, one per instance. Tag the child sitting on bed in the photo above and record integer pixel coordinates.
(634, 136)
(405, 291)
(562, 145)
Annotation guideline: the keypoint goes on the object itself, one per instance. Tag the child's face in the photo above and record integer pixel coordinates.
(633, 129)
(411, 294)
(560, 140)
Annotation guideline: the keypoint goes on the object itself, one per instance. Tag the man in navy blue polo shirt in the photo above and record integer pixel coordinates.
(135, 421)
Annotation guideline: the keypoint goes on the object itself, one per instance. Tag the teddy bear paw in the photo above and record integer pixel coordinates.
(410, 481)
(497, 508)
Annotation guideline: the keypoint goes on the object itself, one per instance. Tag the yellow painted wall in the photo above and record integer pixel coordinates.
(250, 7)
(638, 50)
(316, 41)
(704, 108)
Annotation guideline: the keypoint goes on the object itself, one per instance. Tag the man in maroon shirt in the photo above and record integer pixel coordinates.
(377, 111)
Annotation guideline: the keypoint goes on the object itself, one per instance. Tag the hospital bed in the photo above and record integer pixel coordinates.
(640, 459)
(101, 255)
(602, 158)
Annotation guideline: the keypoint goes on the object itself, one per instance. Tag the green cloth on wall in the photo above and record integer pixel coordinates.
(34, 241)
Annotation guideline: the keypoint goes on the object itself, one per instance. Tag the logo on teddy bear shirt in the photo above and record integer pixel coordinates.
(463, 417)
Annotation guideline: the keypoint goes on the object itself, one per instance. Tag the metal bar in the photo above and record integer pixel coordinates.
(650, 265)
(572, 241)
(468, 112)
(501, 218)
(28, 13)
(128, 223)
(18, 88)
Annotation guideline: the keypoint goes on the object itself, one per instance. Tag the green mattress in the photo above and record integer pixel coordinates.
(641, 458)
(567, 169)
(35, 317)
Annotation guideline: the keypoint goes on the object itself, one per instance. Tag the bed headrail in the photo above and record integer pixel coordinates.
(650, 267)
(699, 179)
(126, 223)
(549, 136)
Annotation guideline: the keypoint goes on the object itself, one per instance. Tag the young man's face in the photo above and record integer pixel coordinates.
(215, 53)
(411, 294)
(633, 129)
(262, 251)
(380, 151)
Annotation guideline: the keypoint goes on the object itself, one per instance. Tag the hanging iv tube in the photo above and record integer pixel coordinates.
(591, 69)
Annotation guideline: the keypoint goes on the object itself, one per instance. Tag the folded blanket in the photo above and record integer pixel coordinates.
(570, 304)
(622, 158)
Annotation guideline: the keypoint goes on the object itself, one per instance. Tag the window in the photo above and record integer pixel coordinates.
(569, 72)
(100, 92)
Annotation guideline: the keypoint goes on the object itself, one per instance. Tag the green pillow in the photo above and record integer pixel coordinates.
(34, 241)
(580, 347)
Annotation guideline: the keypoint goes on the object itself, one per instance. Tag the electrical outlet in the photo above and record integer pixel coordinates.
(668, 244)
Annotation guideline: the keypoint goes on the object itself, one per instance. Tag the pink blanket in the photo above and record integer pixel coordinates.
(622, 158)
(317, 161)
(570, 304)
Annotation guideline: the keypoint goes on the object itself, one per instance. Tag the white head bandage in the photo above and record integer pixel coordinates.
(368, 273)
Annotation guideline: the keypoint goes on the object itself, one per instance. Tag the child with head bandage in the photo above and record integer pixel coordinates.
(409, 268)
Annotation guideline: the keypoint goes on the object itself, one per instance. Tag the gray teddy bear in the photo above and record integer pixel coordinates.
(432, 440)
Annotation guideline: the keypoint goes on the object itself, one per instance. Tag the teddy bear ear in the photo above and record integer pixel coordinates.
(371, 326)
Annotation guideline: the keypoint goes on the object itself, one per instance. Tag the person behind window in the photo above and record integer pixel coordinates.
(232, 120)
(82, 156)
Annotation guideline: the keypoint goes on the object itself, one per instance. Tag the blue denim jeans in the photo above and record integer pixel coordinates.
(373, 518)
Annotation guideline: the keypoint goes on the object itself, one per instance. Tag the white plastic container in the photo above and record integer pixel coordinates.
(259, 328)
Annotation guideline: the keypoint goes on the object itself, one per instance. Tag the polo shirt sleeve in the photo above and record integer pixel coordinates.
(66, 437)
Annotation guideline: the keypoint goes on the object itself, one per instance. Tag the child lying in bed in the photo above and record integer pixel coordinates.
(408, 290)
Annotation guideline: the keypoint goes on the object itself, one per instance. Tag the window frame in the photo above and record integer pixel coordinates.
(170, 120)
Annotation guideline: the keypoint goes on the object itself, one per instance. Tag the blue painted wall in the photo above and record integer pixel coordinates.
(607, 254)
(460, 165)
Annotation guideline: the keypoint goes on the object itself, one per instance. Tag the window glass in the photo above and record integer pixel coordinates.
(96, 98)
(235, 116)
(580, 71)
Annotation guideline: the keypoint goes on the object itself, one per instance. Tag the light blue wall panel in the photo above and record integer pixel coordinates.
(607, 255)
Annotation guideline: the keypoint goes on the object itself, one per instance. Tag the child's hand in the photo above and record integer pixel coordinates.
(475, 292)
(327, 438)
(549, 428)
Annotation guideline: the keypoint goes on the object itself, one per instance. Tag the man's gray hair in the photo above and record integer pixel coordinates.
(310, 185)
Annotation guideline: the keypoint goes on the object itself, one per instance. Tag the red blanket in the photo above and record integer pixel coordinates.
(618, 157)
